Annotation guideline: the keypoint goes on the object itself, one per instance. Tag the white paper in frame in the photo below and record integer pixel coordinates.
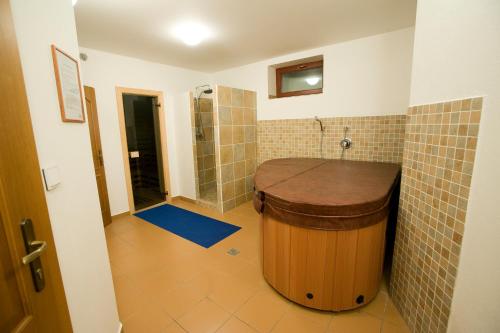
(69, 88)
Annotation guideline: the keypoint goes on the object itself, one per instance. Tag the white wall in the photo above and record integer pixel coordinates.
(105, 71)
(74, 206)
(457, 55)
(363, 77)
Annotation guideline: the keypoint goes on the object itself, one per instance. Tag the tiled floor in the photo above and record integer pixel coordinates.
(165, 283)
(209, 194)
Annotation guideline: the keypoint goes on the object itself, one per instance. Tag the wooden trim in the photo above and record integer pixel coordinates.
(296, 68)
(127, 213)
(54, 50)
(120, 91)
(182, 198)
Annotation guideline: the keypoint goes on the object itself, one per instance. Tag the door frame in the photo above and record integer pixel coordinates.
(97, 156)
(120, 91)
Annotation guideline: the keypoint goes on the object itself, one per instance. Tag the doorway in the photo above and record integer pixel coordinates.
(143, 141)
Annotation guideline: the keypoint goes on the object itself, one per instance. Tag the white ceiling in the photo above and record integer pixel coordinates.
(245, 31)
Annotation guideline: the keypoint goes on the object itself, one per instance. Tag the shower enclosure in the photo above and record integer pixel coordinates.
(224, 134)
(204, 145)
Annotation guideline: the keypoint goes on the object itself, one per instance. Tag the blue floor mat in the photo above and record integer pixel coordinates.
(197, 228)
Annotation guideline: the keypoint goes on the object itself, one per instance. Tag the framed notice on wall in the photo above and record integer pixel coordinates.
(68, 86)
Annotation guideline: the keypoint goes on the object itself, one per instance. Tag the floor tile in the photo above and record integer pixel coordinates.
(354, 322)
(205, 317)
(300, 320)
(162, 280)
(234, 325)
(233, 293)
(263, 310)
(388, 327)
(377, 306)
(174, 328)
(392, 314)
(177, 302)
(149, 318)
(129, 297)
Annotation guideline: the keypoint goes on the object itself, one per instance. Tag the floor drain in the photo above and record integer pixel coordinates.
(233, 251)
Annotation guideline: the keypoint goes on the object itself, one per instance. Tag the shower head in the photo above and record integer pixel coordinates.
(204, 89)
(322, 128)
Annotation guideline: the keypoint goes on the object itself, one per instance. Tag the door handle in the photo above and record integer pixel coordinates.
(34, 249)
(40, 246)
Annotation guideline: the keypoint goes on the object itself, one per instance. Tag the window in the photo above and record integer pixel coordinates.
(300, 79)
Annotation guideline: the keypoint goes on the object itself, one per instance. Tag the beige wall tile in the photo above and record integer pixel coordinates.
(228, 191)
(237, 116)
(239, 169)
(226, 154)
(238, 134)
(249, 167)
(250, 134)
(240, 200)
(227, 173)
(239, 187)
(249, 116)
(223, 96)
(249, 99)
(226, 135)
(436, 177)
(239, 152)
(379, 138)
(228, 205)
(250, 151)
(236, 97)
(225, 117)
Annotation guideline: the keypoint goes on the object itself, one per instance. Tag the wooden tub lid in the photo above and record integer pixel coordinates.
(325, 194)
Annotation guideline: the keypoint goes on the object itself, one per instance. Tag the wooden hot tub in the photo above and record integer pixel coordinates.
(323, 228)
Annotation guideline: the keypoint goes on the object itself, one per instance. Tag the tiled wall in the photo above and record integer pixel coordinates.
(440, 145)
(377, 138)
(235, 138)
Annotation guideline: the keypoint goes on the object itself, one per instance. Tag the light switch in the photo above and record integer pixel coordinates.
(134, 154)
(52, 177)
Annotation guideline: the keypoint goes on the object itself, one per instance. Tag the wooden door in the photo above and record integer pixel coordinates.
(22, 309)
(95, 139)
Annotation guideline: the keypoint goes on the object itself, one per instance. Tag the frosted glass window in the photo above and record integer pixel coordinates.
(301, 79)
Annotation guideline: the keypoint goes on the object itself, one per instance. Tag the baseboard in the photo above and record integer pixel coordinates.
(120, 327)
(183, 198)
(127, 213)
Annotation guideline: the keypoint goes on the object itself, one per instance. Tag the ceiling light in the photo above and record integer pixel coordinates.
(313, 80)
(191, 33)
(73, 2)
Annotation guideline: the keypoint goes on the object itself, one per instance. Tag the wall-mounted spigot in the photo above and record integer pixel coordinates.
(322, 129)
(346, 142)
